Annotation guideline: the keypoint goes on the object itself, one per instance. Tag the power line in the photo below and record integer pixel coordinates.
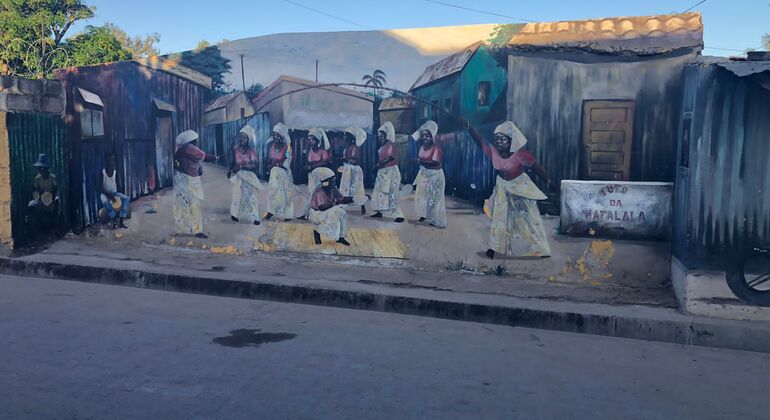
(694, 6)
(480, 11)
(328, 15)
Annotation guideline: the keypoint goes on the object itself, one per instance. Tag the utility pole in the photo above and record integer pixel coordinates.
(243, 73)
(316, 70)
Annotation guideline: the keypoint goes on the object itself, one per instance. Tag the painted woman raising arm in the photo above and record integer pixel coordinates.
(517, 228)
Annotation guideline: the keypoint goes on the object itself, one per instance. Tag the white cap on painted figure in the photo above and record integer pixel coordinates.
(186, 137)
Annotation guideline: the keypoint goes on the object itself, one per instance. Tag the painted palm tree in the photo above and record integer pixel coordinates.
(375, 80)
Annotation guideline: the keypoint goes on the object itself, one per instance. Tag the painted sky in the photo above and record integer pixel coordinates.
(731, 26)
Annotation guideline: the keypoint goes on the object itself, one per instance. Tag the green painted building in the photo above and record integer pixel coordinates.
(470, 83)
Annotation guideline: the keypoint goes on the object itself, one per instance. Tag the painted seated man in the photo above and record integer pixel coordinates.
(327, 211)
(114, 203)
(45, 204)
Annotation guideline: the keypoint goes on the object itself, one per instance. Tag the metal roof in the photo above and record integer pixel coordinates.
(163, 105)
(396, 103)
(446, 67)
(745, 68)
(308, 83)
(90, 97)
(222, 101)
(635, 34)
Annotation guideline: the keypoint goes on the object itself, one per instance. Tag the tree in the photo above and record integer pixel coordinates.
(94, 46)
(375, 80)
(501, 34)
(31, 32)
(766, 41)
(254, 90)
(208, 60)
(138, 46)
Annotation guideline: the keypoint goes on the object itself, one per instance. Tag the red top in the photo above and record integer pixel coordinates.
(243, 159)
(190, 158)
(352, 152)
(434, 153)
(388, 150)
(322, 155)
(513, 166)
(278, 156)
(321, 198)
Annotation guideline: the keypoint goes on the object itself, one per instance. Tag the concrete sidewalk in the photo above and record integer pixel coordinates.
(450, 295)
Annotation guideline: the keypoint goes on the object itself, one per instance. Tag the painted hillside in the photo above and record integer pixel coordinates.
(403, 54)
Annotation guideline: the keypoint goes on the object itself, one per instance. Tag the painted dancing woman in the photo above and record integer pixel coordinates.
(429, 202)
(516, 221)
(280, 187)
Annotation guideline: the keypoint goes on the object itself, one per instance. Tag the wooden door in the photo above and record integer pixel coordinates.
(164, 152)
(608, 128)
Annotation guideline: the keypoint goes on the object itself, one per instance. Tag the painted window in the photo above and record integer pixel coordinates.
(485, 89)
(91, 122)
(434, 109)
(448, 105)
(91, 115)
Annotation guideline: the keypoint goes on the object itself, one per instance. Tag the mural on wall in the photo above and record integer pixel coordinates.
(475, 148)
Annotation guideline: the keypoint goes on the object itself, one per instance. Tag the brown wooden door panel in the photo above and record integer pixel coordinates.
(607, 136)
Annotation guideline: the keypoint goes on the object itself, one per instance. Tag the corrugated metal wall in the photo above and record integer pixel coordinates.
(469, 173)
(28, 136)
(127, 90)
(261, 125)
(723, 180)
(545, 100)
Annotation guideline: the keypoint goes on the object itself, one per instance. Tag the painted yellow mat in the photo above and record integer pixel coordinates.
(295, 237)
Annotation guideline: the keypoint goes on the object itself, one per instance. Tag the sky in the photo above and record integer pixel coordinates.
(731, 26)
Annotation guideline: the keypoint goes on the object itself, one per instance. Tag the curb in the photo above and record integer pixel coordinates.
(639, 323)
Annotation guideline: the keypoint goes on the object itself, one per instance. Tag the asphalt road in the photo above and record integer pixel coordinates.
(71, 350)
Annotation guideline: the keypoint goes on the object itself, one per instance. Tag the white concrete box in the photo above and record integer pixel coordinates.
(616, 209)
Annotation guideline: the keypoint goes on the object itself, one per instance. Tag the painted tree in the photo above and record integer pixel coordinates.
(376, 80)
(32, 31)
(138, 46)
(766, 41)
(254, 90)
(501, 34)
(207, 59)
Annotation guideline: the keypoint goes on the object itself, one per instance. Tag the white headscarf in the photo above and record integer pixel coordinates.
(325, 173)
(429, 125)
(186, 137)
(517, 138)
(281, 129)
(390, 131)
(358, 133)
(250, 133)
(320, 134)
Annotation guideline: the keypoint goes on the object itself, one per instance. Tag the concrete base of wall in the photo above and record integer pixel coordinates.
(705, 293)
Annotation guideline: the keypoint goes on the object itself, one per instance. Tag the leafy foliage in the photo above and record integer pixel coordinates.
(208, 60)
(138, 47)
(375, 80)
(31, 32)
(254, 90)
(501, 34)
(95, 45)
(766, 41)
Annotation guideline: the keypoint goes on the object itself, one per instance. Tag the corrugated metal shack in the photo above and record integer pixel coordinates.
(134, 109)
(232, 106)
(31, 123)
(470, 83)
(722, 198)
(600, 99)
